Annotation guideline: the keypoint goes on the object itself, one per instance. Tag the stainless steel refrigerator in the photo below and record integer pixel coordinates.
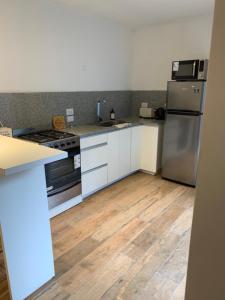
(181, 141)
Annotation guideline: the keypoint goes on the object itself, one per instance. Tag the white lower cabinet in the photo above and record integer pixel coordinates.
(94, 140)
(113, 156)
(136, 148)
(94, 163)
(94, 180)
(94, 157)
(124, 152)
(150, 149)
(119, 154)
(109, 157)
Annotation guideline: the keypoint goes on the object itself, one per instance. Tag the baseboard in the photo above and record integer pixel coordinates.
(65, 206)
(117, 180)
(150, 173)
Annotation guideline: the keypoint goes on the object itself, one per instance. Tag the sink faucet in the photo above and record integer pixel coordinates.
(100, 101)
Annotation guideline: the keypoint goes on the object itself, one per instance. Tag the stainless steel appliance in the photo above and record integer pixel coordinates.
(63, 177)
(195, 69)
(181, 142)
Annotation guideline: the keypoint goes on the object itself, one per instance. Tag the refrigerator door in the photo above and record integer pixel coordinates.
(181, 148)
(185, 95)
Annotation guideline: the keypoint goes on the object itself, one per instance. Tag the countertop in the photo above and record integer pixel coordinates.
(94, 129)
(17, 155)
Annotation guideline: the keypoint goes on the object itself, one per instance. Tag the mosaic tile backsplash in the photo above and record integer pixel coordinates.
(21, 110)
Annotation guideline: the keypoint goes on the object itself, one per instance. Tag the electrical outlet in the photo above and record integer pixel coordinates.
(69, 111)
(144, 104)
(70, 119)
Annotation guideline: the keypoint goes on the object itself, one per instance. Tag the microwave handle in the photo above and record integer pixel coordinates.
(194, 67)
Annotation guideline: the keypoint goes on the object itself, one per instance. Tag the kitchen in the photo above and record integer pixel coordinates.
(116, 72)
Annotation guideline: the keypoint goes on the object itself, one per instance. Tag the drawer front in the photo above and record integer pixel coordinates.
(93, 141)
(93, 158)
(94, 180)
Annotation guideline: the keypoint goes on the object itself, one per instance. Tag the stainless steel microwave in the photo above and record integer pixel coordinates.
(195, 69)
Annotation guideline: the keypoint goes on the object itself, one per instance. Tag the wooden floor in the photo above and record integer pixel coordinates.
(128, 241)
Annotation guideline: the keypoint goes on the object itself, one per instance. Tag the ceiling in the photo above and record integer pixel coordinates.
(139, 13)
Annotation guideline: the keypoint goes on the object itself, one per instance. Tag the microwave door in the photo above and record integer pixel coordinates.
(185, 70)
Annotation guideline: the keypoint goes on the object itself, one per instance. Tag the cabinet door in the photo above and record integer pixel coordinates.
(149, 148)
(94, 180)
(135, 148)
(113, 156)
(124, 152)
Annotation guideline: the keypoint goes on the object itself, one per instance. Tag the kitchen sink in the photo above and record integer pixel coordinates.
(111, 123)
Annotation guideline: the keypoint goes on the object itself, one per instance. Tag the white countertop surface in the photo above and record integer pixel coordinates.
(17, 155)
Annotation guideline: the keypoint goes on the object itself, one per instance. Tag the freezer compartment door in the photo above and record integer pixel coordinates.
(187, 96)
(181, 148)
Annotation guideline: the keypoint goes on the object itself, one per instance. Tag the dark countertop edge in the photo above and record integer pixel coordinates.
(104, 130)
(107, 130)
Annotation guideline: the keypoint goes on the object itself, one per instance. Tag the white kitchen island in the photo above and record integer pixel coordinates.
(24, 216)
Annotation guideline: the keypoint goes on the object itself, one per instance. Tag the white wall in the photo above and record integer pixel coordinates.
(206, 270)
(154, 49)
(48, 46)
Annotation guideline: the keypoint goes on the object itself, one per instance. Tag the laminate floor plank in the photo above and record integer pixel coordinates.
(129, 241)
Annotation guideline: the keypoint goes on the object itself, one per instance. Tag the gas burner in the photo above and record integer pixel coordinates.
(54, 139)
(56, 134)
(36, 137)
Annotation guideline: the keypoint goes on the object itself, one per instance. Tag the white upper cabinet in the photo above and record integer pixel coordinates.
(135, 148)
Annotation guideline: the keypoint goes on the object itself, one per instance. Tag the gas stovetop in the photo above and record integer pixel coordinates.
(53, 138)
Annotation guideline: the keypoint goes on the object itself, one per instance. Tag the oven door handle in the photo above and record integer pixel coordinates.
(65, 188)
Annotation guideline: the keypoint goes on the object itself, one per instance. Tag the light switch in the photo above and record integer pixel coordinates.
(69, 111)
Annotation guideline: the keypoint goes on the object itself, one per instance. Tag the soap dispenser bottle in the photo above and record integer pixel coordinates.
(112, 115)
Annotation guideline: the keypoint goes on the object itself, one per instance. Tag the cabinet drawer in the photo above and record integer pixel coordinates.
(94, 180)
(93, 141)
(93, 158)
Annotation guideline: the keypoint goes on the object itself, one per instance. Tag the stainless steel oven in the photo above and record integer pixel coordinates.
(63, 178)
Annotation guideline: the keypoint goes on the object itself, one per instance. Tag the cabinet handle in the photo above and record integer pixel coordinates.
(94, 146)
(94, 169)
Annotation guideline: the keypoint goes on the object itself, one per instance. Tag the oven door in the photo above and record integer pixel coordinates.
(63, 178)
(185, 70)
